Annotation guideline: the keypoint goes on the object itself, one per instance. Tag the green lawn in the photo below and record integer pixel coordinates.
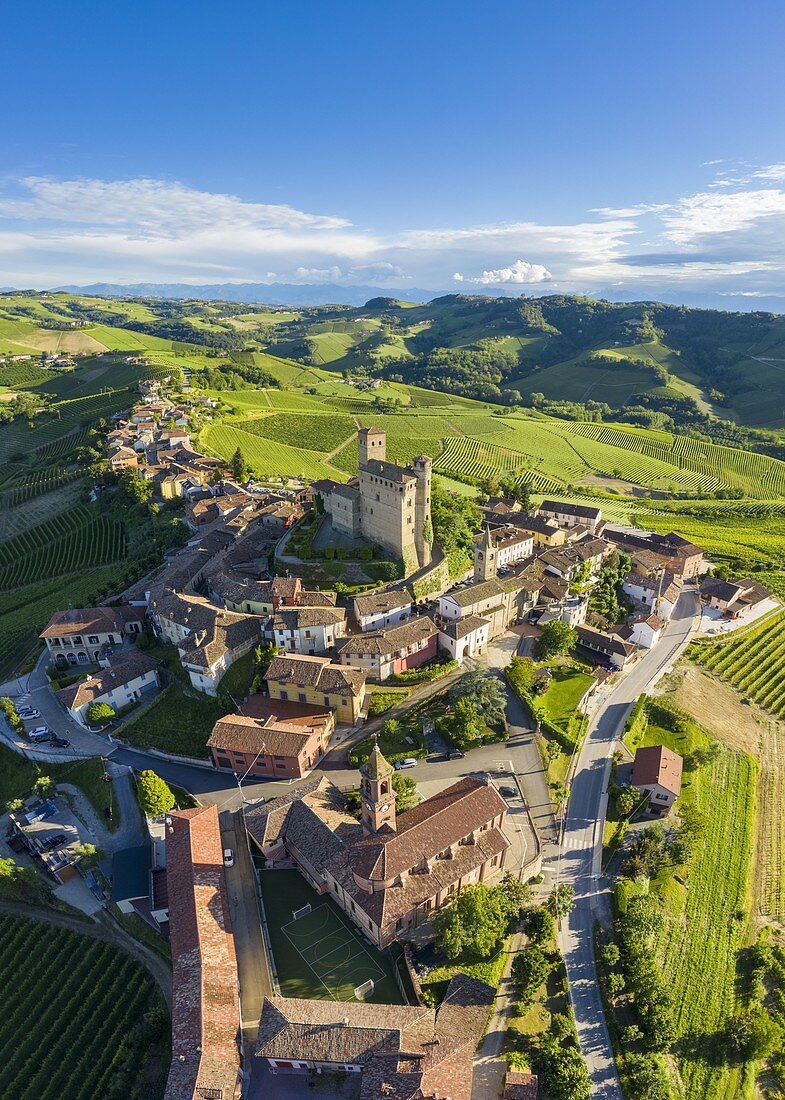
(567, 687)
(321, 955)
(180, 721)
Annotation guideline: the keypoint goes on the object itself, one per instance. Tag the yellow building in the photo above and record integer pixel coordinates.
(317, 681)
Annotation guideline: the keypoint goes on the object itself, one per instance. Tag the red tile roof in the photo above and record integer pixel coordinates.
(657, 765)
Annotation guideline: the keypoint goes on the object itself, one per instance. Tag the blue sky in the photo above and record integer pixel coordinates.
(602, 147)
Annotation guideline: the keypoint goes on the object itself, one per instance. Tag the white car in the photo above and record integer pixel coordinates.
(40, 733)
(228, 857)
(27, 714)
(409, 762)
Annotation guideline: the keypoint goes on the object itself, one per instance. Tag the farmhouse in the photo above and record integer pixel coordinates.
(206, 1031)
(644, 631)
(318, 682)
(656, 773)
(128, 678)
(384, 653)
(403, 1053)
(273, 738)
(381, 609)
(734, 599)
(570, 515)
(610, 647)
(657, 591)
(387, 504)
(80, 635)
(676, 555)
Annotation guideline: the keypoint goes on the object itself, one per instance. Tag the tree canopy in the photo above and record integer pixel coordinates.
(557, 638)
(155, 797)
(473, 924)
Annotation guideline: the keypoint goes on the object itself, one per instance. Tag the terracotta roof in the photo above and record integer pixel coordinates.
(601, 639)
(299, 618)
(122, 669)
(657, 764)
(318, 597)
(476, 593)
(274, 736)
(520, 1086)
(91, 620)
(390, 640)
(315, 672)
(382, 602)
(460, 628)
(205, 1007)
(427, 829)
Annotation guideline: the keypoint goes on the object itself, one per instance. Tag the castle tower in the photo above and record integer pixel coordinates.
(485, 557)
(371, 443)
(378, 797)
(423, 528)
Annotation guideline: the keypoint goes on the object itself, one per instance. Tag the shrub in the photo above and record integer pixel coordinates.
(98, 714)
(155, 797)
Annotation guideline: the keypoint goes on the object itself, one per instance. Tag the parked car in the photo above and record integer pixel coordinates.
(27, 713)
(409, 762)
(508, 792)
(54, 841)
(60, 743)
(456, 754)
(228, 857)
(40, 733)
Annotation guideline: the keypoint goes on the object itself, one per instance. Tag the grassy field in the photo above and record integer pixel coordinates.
(705, 922)
(322, 955)
(65, 1028)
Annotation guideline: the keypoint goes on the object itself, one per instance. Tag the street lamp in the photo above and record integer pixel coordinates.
(240, 779)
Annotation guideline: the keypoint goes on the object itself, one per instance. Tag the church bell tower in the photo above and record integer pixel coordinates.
(376, 792)
(485, 555)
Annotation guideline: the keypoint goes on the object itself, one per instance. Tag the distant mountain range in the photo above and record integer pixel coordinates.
(274, 294)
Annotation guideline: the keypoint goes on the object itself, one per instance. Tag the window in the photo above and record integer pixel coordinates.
(77, 639)
(344, 701)
(326, 700)
(285, 695)
(301, 696)
(307, 633)
(92, 639)
(55, 641)
(82, 658)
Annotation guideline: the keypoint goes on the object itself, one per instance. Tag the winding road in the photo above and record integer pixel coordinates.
(580, 855)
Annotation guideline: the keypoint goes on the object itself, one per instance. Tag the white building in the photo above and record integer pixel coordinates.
(309, 630)
(378, 610)
(128, 678)
(466, 637)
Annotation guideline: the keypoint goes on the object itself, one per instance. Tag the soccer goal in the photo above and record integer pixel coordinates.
(364, 990)
(297, 913)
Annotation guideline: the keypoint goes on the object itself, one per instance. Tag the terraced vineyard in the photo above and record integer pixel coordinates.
(42, 480)
(62, 1024)
(771, 853)
(316, 432)
(267, 457)
(473, 460)
(74, 540)
(741, 469)
(754, 663)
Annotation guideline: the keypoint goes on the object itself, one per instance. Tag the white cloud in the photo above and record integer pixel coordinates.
(458, 277)
(519, 273)
(708, 213)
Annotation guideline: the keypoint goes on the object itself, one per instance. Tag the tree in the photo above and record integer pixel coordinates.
(136, 488)
(405, 790)
(557, 637)
(530, 970)
(44, 785)
(486, 694)
(463, 725)
(155, 797)
(647, 1076)
(240, 469)
(610, 954)
(560, 900)
(88, 854)
(752, 1035)
(616, 983)
(17, 881)
(521, 672)
(14, 805)
(626, 801)
(98, 714)
(515, 895)
(539, 925)
(473, 925)
(566, 1076)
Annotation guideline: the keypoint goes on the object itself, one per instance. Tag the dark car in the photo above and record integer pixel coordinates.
(60, 743)
(456, 754)
(508, 792)
(53, 841)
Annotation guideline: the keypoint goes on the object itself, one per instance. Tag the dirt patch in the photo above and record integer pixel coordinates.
(717, 707)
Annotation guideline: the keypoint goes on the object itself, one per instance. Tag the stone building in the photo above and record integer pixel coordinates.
(387, 504)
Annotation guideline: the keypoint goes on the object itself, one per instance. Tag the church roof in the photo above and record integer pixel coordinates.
(376, 766)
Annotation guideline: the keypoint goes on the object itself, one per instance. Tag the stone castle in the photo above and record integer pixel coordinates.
(387, 504)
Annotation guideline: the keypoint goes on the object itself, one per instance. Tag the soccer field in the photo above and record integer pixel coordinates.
(319, 953)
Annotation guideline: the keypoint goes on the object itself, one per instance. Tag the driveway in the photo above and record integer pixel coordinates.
(579, 859)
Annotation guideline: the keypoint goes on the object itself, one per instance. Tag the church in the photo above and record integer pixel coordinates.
(389, 872)
(387, 504)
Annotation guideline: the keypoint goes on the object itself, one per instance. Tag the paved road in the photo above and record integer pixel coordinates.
(581, 849)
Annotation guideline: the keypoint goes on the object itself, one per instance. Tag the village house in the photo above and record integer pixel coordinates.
(398, 1052)
(607, 647)
(123, 458)
(657, 591)
(389, 872)
(466, 637)
(566, 514)
(384, 653)
(51, 833)
(128, 678)
(81, 635)
(501, 600)
(318, 682)
(384, 608)
(734, 599)
(644, 631)
(656, 774)
(672, 553)
(206, 1028)
(520, 1085)
(283, 740)
(306, 630)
